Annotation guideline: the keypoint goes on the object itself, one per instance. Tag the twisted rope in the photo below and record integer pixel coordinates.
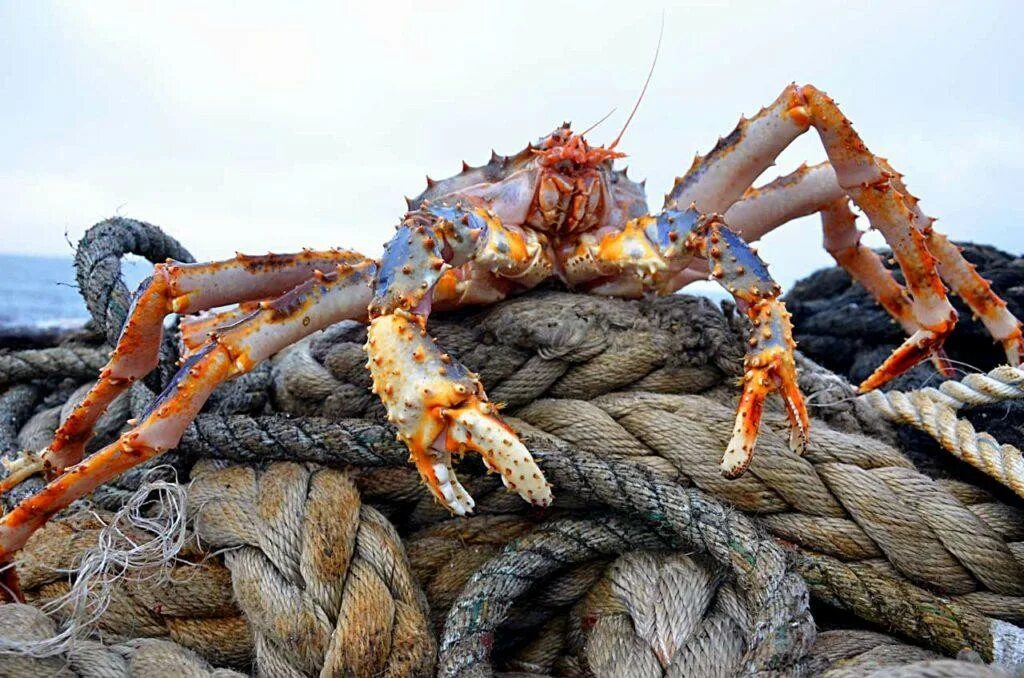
(191, 604)
(322, 578)
(138, 658)
(934, 411)
(780, 630)
(98, 266)
(1000, 384)
(62, 362)
(661, 614)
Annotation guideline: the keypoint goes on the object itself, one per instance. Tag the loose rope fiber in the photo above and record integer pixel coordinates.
(306, 507)
(191, 604)
(933, 410)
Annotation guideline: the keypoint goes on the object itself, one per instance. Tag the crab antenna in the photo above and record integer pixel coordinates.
(657, 49)
(591, 128)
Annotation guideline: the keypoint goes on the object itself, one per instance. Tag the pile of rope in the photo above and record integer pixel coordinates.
(308, 546)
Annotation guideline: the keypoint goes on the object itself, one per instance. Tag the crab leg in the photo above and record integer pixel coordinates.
(173, 288)
(811, 189)
(195, 329)
(964, 279)
(717, 180)
(816, 189)
(653, 253)
(842, 241)
(313, 305)
(438, 406)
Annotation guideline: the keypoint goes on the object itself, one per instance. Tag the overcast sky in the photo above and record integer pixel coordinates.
(238, 126)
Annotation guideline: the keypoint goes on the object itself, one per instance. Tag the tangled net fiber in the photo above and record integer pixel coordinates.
(287, 536)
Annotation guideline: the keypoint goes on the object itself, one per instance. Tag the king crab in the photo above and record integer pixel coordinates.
(556, 209)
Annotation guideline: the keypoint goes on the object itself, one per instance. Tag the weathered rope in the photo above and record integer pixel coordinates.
(661, 614)
(138, 658)
(933, 410)
(854, 654)
(780, 629)
(806, 508)
(323, 579)
(190, 604)
(62, 362)
(98, 266)
(1000, 384)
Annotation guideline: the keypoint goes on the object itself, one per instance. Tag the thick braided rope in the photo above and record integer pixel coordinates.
(323, 579)
(656, 612)
(904, 538)
(934, 411)
(190, 604)
(1000, 384)
(780, 628)
(16, 405)
(855, 654)
(661, 614)
(138, 658)
(850, 496)
(669, 614)
(98, 266)
(75, 362)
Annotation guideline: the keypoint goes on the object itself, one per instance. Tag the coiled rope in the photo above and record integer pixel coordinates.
(933, 410)
(627, 405)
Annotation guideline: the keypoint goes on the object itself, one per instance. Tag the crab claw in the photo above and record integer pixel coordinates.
(440, 408)
(769, 365)
(923, 343)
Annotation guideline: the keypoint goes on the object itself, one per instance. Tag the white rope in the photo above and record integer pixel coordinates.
(934, 410)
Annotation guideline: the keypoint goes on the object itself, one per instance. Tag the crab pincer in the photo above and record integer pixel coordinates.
(440, 408)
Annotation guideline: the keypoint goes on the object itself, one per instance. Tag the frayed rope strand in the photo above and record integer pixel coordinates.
(156, 509)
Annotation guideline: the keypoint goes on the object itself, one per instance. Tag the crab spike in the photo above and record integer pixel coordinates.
(465, 166)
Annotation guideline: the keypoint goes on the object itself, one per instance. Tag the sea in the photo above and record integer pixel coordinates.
(40, 292)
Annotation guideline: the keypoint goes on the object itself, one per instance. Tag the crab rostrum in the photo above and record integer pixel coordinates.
(556, 209)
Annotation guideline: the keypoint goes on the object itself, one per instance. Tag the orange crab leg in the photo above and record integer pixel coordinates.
(804, 191)
(656, 254)
(195, 329)
(816, 189)
(173, 288)
(321, 301)
(978, 295)
(871, 187)
(717, 180)
(964, 279)
(769, 364)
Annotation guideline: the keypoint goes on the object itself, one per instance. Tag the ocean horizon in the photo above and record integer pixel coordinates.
(40, 292)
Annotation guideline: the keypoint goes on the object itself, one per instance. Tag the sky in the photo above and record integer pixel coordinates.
(251, 127)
